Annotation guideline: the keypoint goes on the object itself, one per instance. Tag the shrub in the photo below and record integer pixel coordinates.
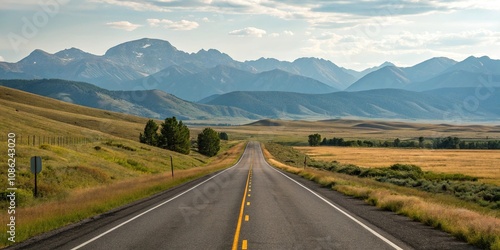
(350, 170)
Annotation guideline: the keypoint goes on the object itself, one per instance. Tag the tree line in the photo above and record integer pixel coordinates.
(433, 143)
(175, 136)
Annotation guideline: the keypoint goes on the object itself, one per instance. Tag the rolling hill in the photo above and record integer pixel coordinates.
(381, 103)
(92, 161)
(462, 104)
(145, 103)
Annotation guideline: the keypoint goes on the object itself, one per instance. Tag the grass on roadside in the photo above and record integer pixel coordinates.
(470, 222)
(87, 202)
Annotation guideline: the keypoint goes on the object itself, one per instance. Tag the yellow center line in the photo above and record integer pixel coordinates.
(244, 245)
(238, 226)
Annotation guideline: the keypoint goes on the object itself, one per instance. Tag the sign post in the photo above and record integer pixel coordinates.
(36, 167)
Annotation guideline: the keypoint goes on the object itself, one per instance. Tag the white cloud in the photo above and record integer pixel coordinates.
(248, 32)
(123, 25)
(284, 33)
(407, 47)
(2, 59)
(173, 25)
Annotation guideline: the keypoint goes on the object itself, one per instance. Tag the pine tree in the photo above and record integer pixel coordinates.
(208, 142)
(150, 135)
(174, 136)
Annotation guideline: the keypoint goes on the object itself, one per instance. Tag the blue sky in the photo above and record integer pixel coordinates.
(353, 34)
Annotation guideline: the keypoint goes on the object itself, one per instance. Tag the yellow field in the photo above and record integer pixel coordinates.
(484, 164)
(296, 132)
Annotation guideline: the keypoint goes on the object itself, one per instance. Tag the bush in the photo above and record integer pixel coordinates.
(350, 170)
(406, 167)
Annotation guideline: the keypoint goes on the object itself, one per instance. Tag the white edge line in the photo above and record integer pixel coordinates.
(157, 206)
(340, 210)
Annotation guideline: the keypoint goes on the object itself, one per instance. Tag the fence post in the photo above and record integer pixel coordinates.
(172, 165)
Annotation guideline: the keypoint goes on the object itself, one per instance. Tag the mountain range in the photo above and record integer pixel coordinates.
(147, 64)
(209, 83)
(245, 106)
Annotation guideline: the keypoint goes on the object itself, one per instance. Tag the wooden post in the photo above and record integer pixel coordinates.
(172, 165)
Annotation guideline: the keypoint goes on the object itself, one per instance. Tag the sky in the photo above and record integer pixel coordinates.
(354, 34)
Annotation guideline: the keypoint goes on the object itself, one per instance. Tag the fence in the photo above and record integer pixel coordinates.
(37, 140)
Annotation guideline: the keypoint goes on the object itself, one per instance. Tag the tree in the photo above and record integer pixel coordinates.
(223, 136)
(421, 141)
(397, 141)
(174, 136)
(150, 135)
(314, 140)
(208, 142)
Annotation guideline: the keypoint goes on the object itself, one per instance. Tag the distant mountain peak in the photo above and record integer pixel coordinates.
(37, 56)
(386, 77)
(140, 45)
(309, 59)
(72, 54)
(209, 52)
(387, 63)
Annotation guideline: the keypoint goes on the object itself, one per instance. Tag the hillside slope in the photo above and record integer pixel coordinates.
(146, 103)
(380, 103)
(92, 162)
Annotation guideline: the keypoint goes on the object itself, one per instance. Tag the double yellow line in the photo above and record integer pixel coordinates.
(240, 218)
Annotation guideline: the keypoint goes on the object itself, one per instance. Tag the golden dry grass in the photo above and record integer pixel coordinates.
(296, 132)
(86, 202)
(475, 225)
(484, 164)
(79, 180)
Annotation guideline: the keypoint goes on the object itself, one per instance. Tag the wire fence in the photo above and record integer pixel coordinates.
(37, 140)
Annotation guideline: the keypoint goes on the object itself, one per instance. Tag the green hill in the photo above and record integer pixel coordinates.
(92, 161)
(146, 103)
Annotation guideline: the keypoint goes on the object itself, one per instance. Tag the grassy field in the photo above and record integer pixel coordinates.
(296, 132)
(465, 220)
(484, 164)
(80, 179)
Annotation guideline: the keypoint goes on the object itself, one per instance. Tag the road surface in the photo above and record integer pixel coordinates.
(248, 206)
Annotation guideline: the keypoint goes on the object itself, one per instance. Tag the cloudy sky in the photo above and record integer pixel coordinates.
(354, 34)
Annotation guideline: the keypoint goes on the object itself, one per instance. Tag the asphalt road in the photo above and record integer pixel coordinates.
(248, 206)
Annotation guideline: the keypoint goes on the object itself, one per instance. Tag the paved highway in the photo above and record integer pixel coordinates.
(248, 206)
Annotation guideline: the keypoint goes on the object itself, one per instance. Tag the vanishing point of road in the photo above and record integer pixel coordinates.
(248, 206)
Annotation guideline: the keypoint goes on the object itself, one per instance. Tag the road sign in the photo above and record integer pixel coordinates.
(36, 164)
(36, 167)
